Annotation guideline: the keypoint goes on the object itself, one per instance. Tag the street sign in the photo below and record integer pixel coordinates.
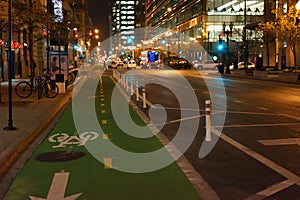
(3, 9)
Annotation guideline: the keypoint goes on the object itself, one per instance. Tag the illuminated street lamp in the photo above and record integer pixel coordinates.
(298, 5)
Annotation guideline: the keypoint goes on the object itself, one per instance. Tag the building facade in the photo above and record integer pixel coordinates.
(37, 41)
(206, 23)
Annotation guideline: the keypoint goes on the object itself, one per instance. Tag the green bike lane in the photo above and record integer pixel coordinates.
(63, 168)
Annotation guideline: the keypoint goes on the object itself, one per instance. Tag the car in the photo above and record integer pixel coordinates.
(130, 64)
(241, 65)
(205, 64)
(178, 63)
(153, 65)
(112, 65)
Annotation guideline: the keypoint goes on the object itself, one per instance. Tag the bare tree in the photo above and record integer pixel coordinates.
(285, 26)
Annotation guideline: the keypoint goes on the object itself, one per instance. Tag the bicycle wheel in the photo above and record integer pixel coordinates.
(50, 90)
(23, 89)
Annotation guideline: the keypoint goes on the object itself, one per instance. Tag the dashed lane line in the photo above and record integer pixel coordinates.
(107, 163)
(262, 108)
(105, 136)
(237, 101)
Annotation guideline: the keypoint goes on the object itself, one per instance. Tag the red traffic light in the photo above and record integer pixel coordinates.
(76, 35)
(90, 33)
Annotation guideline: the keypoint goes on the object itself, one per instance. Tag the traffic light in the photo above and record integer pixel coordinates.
(220, 46)
(76, 36)
(90, 34)
(75, 46)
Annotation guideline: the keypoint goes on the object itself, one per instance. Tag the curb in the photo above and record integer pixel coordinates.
(10, 155)
(260, 79)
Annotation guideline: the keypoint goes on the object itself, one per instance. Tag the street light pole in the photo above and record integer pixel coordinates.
(245, 37)
(10, 126)
(227, 33)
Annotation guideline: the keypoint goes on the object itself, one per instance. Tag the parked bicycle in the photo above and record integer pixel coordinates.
(48, 88)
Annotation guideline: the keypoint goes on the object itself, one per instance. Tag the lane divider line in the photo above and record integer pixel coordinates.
(105, 136)
(107, 163)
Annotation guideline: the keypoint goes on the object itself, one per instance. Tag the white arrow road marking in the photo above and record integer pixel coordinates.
(58, 188)
(287, 141)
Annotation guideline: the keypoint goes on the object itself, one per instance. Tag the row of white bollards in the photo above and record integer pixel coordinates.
(129, 87)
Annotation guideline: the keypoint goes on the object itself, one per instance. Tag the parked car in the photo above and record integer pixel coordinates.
(241, 65)
(205, 64)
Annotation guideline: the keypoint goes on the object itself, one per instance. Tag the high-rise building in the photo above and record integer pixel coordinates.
(126, 16)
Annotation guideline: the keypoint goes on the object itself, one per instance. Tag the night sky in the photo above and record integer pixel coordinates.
(99, 11)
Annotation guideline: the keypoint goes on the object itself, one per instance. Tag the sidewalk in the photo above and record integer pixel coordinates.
(30, 116)
(265, 76)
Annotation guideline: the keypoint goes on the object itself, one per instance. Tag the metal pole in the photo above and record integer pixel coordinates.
(144, 97)
(10, 121)
(48, 51)
(227, 52)
(245, 36)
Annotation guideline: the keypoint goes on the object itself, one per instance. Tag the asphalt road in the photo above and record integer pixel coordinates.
(257, 153)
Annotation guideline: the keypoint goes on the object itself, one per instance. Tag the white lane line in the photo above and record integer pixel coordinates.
(179, 120)
(257, 125)
(237, 101)
(273, 189)
(293, 178)
(254, 113)
(172, 108)
(262, 108)
(275, 142)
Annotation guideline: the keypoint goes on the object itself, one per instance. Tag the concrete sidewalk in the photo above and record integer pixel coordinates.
(30, 116)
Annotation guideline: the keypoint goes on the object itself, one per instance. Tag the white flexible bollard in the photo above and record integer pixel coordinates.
(144, 97)
(131, 88)
(208, 120)
(137, 90)
(127, 84)
(124, 81)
